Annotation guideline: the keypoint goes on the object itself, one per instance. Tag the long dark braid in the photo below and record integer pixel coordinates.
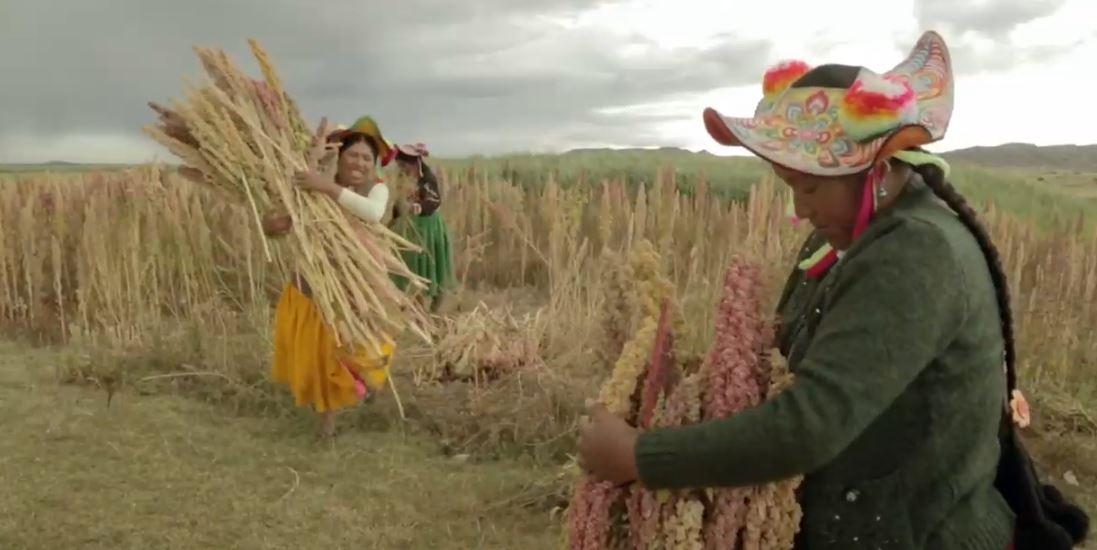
(1045, 519)
(935, 180)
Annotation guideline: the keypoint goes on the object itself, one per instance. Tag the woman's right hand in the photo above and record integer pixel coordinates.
(277, 225)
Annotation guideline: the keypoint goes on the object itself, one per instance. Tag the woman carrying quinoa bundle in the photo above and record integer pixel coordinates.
(306, 358)
(896, 323)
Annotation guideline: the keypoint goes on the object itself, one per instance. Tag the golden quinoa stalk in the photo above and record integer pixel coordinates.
(649, 291)
(615, 313)
(683, 525)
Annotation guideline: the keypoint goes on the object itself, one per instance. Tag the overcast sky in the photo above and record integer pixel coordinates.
(493, 76)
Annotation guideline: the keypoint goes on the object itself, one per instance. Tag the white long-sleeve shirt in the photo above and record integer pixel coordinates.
(370, 207)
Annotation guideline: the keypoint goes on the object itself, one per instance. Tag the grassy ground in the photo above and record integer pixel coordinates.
(164, 471)
(170, 472)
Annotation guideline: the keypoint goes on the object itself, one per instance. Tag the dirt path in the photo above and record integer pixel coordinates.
(170, 472)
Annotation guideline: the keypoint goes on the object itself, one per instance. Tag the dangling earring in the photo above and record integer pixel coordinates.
(882, 192)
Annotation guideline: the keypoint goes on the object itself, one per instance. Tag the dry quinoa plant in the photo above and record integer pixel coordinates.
(246, 139)
(485, 344)
(187, 249)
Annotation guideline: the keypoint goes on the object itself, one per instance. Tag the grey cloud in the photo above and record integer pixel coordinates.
(965, 22)
(993, 18)
(469, 76)
(969, 59)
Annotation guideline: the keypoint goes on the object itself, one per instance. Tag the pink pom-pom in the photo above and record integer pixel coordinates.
(779, 77)
(876, 104)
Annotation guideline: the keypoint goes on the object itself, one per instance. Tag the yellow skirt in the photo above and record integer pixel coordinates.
(317, 372)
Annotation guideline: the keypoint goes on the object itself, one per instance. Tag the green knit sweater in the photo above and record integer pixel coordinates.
(894, 414)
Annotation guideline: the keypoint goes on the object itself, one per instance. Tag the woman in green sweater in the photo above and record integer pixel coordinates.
(896, 323)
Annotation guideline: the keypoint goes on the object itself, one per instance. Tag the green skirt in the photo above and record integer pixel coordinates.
(435, 262)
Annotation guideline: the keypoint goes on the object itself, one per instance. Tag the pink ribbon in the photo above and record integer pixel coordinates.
(869, 205)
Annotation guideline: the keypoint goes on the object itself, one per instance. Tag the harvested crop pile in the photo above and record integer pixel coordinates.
(487, 390)
(484, 345)
(652, 385)
(245, 138)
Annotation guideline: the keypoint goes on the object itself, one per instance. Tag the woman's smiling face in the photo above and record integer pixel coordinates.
(355, 165)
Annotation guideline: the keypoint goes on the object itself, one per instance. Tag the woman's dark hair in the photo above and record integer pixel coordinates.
(427, 172)
(355, 139)
(411, 159)
(934, 178)
(1045, 520)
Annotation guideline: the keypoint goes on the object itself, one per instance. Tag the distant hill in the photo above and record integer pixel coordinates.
(1072, 158)
(1081, 158)
(1068, 158)
(59, 166)
(661, 150)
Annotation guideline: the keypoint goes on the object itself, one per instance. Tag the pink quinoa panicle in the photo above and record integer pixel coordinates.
(644, 515)
(589, 515)
(735, 380)
(734, 363)
(662, 360)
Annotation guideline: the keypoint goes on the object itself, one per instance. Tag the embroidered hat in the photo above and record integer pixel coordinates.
(367, 126)
(836, 120)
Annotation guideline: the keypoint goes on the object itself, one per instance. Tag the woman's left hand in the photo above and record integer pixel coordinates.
(607, 446)
(321, 151)
(312, 181)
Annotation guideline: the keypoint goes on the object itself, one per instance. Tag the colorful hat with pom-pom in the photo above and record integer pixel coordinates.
(367, 126)
(836, 120)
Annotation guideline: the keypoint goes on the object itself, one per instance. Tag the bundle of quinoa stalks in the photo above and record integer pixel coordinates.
(652, 386)
(246, 139)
